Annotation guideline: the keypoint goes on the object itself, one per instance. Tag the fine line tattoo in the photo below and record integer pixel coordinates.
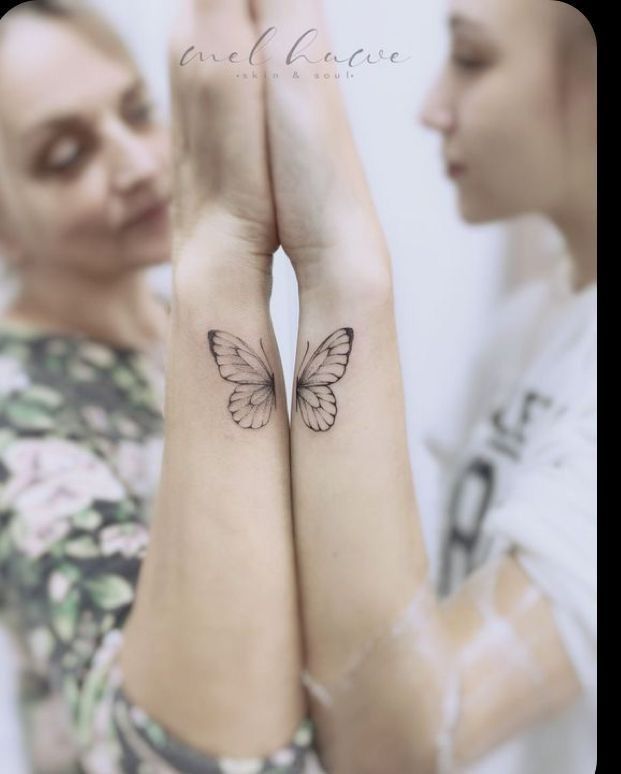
(254, 397)
(314, 397)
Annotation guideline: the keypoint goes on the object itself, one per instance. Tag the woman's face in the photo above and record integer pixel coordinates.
(85, 182)
(514, 143)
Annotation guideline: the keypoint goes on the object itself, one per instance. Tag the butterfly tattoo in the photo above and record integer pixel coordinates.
(254, 396)
(314, 397)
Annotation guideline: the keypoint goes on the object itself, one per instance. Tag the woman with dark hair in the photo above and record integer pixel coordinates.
(403, 678)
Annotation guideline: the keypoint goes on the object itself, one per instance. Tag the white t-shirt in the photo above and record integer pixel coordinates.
(525, 480)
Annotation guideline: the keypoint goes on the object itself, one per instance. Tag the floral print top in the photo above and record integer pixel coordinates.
(81, 439)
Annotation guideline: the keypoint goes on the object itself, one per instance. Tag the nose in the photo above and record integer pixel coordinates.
(133, 158)
(437, 112)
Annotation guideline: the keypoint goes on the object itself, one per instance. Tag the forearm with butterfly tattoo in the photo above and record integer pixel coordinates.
(224, 617)
(254, 397)
(357, 538)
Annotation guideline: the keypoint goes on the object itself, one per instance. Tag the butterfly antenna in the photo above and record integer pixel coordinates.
(303, 359)
(270, 365)
(297, 380)
(266, 357)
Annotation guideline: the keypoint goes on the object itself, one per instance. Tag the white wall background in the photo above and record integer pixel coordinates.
(449, 277)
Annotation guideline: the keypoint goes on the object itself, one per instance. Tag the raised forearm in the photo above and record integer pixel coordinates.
(353, 492)
(360, 548)
(212, 647)
(399, 680)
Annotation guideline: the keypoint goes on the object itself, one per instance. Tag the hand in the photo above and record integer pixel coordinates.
(222, 207)
(327, 221)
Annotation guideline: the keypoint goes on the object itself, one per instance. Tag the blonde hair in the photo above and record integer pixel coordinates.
(96, 28)
(83, 17)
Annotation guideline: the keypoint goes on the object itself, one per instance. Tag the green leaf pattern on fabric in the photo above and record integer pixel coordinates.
(81, 433)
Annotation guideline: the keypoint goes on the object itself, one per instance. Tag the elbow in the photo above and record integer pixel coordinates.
(399, 714)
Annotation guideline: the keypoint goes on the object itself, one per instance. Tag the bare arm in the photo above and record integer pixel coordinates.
(212, 648)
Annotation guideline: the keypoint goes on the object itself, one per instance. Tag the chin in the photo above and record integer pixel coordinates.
(478, 213)
(158, 255)
(475, 217)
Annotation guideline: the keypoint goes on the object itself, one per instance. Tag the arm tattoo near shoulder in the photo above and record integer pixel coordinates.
(314, 397)
(254, 396)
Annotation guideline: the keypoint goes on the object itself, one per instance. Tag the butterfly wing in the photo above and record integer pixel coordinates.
(253, 398)
(317, 406)
(315, 398)
(251, 405)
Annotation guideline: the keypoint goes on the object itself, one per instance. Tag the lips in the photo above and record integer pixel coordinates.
(454, 169)
(152, 214)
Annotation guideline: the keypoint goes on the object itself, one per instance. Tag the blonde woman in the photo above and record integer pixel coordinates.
(84, 210)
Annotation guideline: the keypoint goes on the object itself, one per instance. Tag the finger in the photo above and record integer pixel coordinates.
(212, 26)
(292, 18)
(218, 127)
(204, 35)
(287, 10)
(302, 36)
(313, 110)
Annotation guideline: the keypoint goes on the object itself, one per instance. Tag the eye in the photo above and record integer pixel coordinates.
(64, 156)
(140, 113)
(468, 63)
(468, 58)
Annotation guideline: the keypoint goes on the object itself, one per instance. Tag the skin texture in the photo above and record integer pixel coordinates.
(323, 202)
(216, 183)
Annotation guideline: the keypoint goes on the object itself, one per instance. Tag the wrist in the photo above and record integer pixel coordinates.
(209, 292)
(205, 276)
(355, 264)
(219, 249)
(229, 274)
(346, 278)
